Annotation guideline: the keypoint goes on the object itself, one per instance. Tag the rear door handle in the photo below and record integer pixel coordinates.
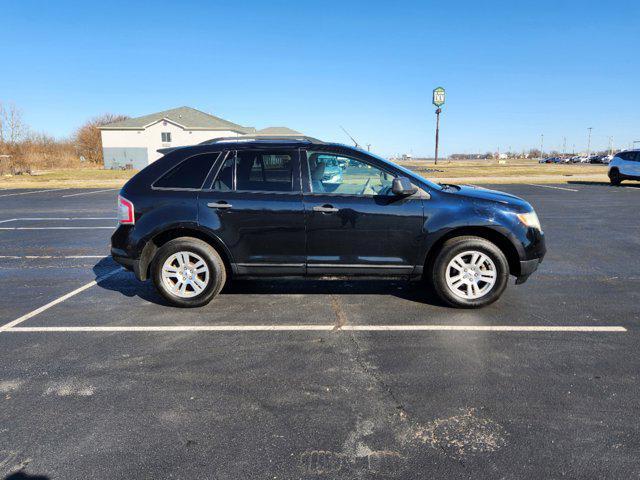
(325, 209)
(219, 205)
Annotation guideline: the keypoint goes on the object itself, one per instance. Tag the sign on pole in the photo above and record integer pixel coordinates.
(438, 96)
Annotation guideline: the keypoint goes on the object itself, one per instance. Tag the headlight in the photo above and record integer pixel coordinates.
(530, 219)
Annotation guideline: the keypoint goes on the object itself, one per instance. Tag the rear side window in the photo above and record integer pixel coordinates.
(264, 171)
(261, 171)
(189, 174)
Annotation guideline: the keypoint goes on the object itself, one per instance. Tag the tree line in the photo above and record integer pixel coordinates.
(23, 151)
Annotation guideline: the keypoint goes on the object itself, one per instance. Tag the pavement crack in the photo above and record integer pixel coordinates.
(341, 316)
(376, 377)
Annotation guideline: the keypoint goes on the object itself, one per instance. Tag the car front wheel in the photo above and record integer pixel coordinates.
(188, 272)
(470, 272)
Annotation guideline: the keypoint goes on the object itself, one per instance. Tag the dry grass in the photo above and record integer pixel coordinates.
(513, 171)
(482, 171)
(69, 178)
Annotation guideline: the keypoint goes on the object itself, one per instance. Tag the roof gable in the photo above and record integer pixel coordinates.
(187, 117)
(275, 131)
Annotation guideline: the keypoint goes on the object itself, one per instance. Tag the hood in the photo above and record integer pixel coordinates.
(479, 193)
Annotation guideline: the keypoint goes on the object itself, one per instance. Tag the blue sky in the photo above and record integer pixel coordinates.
(512, 69)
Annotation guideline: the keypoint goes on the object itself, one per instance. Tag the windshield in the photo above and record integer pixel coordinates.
(409, 173)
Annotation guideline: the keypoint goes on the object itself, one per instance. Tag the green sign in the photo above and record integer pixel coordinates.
(438, 96)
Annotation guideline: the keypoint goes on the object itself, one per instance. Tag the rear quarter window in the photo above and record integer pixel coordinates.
(189, 174)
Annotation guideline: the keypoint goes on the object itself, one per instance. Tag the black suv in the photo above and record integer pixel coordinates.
(254, 207)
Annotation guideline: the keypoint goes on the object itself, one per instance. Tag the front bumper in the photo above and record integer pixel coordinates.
(527, 267)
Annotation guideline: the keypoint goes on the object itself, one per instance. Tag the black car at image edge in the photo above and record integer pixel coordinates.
(256, 207)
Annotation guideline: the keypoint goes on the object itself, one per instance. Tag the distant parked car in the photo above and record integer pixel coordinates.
(625, 166)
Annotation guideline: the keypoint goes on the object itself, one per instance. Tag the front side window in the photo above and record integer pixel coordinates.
(338, 174)
(166, 137)
(189, 174)
(627, 156)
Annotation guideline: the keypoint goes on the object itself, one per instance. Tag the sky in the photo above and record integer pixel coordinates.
(513, 70)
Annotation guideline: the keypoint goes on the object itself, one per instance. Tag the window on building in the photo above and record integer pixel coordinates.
(189, 174)
(166, 137)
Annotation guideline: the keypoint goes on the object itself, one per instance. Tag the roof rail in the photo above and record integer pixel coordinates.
(257, 138)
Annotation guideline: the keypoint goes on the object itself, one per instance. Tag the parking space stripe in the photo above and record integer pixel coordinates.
(551, 186)
(89, 193)
(41, 219)
(55, 228)
(34, 191)
(354, 328)
(58, 300)
(36, 257)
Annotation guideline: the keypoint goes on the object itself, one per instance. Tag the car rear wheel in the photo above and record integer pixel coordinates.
(614, 177)
(188, 272)
(470, 272)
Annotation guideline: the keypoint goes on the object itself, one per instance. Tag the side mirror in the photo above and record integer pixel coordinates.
(403, 187)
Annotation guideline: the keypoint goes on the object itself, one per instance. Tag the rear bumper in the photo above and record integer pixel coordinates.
(120, 257)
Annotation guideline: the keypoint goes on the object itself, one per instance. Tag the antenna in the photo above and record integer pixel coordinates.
(349, 135)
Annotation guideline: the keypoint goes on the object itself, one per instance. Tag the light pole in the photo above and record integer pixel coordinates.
(541, 144)
(611, 145)
(564, 147)
(589, 142)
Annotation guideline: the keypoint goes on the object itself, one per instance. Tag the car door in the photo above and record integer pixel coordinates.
(253, 204)
(634, 164)
(355, 224)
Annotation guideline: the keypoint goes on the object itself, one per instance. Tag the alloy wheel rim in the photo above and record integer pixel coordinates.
(471, 275)
(185, 274)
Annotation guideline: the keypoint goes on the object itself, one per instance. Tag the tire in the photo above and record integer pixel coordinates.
(463, 250)
(614, 177)
(200, 288)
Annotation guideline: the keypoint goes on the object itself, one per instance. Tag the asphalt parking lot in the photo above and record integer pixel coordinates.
(319, 379)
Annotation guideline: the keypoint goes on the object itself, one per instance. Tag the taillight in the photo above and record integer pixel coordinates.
(125, 211)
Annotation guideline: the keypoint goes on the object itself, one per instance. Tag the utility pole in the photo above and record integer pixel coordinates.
(589, 142)
(611, 145)
(438, 101)
(564, 147)
(541, 144)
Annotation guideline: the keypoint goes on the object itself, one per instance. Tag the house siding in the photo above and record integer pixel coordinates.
(139, 147)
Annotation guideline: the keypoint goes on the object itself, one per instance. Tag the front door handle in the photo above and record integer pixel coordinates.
(325, 209)
(219, 205)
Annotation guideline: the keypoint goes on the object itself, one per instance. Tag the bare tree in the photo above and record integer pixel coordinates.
(88, 137)
(12, 128)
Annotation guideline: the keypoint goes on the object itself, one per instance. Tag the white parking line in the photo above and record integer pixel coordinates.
(324, 328)
(56, 228)
(89, 193)
(35, 191)
(58, 300)
(35, 257)
(40, 219)
(43, 219)
(551, 186)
